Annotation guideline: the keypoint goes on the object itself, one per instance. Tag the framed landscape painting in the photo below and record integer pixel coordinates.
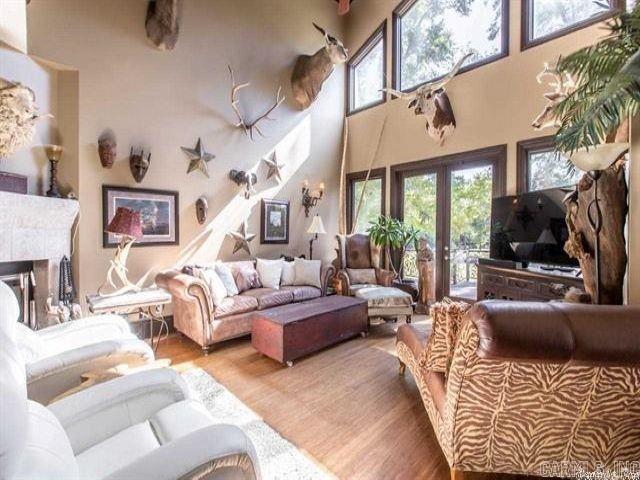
(158, 214)
(274, 221)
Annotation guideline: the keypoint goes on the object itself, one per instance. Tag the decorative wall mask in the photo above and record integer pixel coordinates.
(248, 179)
(310, 71)
(139, 165)
(274, 167)
(202, 208)
(107, 149)
(198, 158)
(163, 22)
(563, 86)
(242, 239)
(250, 127)
(432, 101)
(18, 116)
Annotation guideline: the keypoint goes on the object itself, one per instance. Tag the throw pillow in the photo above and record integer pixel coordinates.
(307, 272)
(224, 272)
(245, 276)
(360, 276)
(269, 272)
(217, 289)
(288, 274)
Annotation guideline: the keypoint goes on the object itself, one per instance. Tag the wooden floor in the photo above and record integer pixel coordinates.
(345, 407)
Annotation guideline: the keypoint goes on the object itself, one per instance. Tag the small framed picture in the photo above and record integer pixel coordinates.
(158, 214)
(274, 221)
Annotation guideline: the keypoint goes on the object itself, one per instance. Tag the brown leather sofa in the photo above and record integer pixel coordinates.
(195, 315)
(533, 388)
(357, 256)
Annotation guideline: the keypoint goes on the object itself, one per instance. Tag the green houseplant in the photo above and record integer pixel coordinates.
(393, 235)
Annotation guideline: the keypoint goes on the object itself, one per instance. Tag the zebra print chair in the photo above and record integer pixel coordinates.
(548, 389)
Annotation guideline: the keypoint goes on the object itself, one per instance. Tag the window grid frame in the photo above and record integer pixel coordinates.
(355, 177)
(378, 35)
(525, 149)
(396, 74)
(526, 23)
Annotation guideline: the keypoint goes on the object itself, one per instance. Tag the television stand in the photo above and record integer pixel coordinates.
(534, 283)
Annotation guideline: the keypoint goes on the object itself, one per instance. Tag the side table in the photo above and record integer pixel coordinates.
(147, 305)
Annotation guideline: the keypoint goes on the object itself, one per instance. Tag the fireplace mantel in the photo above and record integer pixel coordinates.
(37, 229)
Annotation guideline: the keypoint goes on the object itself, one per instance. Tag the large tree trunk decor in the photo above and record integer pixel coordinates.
(612, 196)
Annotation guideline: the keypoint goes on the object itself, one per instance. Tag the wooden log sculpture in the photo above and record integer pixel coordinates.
(612, 195)
(163, 22)
(310, 71)
(425, 261)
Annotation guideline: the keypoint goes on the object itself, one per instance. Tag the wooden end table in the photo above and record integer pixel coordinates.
(292, 331)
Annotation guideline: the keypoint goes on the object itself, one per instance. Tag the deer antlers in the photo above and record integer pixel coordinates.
(562, 88)
(249, 128)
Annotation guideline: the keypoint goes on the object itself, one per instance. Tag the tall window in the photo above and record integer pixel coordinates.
(367, 72)
(430, 36)
(544, 20)
(541, 167)
(372, 204)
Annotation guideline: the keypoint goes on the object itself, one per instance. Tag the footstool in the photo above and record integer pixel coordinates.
(386, 302)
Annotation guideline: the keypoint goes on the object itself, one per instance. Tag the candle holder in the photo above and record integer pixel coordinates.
(54, 153)
(310, 199)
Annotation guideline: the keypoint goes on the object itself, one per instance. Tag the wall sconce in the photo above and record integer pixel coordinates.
(309, 198)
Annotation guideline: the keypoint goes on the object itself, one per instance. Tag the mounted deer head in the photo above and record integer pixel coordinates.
(562, 86)
(310, 71)
(432, 101)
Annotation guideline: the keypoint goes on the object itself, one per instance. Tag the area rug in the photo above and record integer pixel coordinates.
(279, 459)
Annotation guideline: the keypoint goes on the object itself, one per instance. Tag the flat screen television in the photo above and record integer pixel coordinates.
(531, 228)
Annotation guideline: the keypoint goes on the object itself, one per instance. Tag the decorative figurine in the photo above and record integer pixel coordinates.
(107, 149)
(248, 179)
(242, 239)
(274, 167)
(198, 158)
(202, 207)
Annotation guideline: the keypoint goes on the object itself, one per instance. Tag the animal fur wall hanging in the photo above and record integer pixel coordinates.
(18, 116)
(310, 71)
(432, 101)
(163, 22)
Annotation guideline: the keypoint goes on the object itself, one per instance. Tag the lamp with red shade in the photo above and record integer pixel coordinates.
(126, 223)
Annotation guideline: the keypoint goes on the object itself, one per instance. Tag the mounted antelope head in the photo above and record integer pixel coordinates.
(310, 71)
(562, 86)
(432, 101)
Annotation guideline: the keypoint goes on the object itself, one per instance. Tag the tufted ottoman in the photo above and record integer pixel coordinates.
(386, 302)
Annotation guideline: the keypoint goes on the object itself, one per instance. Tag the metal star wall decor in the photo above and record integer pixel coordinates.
(242, 239)
(198, 158)
(274, 167)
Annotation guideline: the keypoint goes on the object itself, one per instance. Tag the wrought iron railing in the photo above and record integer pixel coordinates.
(463, 264)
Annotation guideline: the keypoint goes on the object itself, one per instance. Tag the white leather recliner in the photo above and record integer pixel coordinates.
(140, 426)
(57, 356)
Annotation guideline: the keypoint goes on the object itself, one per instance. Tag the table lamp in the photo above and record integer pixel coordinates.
(593, 160)
(315, 228)
(54, 153)
(126, 223)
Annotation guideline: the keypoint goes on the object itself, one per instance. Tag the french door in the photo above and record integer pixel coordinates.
(449, 200)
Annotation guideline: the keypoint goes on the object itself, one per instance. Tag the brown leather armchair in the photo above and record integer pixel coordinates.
(359, 262)
(532, 388)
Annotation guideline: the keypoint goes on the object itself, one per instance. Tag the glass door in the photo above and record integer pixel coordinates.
(467, 224)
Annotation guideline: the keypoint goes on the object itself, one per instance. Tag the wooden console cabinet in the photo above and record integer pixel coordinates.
(528, 284)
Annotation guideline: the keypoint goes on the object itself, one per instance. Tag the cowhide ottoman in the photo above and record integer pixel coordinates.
(387, 303)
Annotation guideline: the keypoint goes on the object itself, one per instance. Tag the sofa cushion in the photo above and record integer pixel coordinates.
(269, 272)
(355, 287)
(307, 272)
(288, 274)
(303, 292)
(245, 275)
(358, 251)
(269, 297)
(225, 274)
(234, 305)
(362, 275)
(179, 419)
(384, 297)
(414, 336)
(217, 290)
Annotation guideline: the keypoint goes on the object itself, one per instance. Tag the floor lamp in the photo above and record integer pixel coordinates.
(125, 223)
(593, 161)
(316, 227)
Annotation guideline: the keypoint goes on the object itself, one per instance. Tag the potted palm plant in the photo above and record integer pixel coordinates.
(393, 235)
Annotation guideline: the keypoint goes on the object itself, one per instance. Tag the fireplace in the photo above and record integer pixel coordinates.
(35, 233)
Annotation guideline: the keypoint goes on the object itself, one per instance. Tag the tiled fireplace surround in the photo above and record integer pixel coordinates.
(37, 229)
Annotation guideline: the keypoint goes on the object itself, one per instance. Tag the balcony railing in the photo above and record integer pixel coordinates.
(463, 264)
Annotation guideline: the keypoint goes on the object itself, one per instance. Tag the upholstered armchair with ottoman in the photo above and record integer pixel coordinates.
(56, 357)
(550, 389)
(360, 274)
(217, 302)
(141, 426)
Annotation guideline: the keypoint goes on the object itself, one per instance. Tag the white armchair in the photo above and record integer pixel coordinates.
(140, 426)
(57, 356)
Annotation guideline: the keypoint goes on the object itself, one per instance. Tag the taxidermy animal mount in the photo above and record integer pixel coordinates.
(310, 71)
(202, 207)
(562, 86)
(432, 101)
(240, 177)
(18, 116)
(107, 149)
(163, 22)
(250, 127)
(139, 165)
